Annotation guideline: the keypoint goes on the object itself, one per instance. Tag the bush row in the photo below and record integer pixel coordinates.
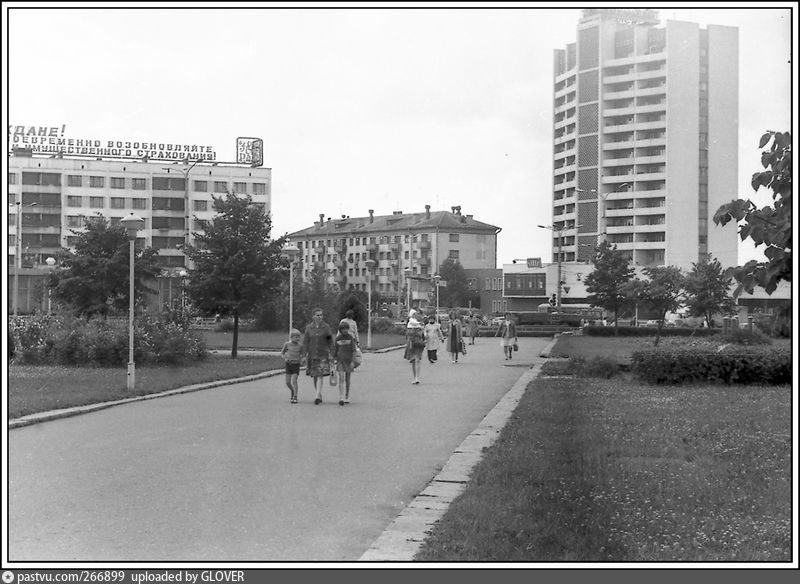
(729, 364)
(57, 340)
(646, 331)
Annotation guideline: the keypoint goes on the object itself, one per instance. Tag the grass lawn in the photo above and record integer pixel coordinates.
(35, 389)
(274, 340)
(610, 470)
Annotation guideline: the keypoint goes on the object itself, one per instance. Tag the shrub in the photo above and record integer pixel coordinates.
(648, 331)
(744, 336)
(102, 343)
(726, 364)
(598, 367)
(383, 325)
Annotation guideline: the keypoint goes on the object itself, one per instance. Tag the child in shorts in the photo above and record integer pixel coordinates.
(292, 355)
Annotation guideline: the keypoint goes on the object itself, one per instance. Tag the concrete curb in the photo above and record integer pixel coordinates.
(76, 411)
(546, 351)
(404, 536)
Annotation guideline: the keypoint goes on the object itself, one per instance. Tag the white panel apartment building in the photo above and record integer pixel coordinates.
(645, 139)
(56, 195)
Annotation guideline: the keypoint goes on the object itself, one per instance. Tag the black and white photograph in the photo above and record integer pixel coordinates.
(397, 285)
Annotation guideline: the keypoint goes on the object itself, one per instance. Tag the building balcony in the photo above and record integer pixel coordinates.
(424, 261)
(372, 247)
(424, 245)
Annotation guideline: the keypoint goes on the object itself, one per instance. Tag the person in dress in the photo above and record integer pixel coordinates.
(415, 344)
(344, 348)
(433, 338)
(317, 348)
(455, 336)
(349, 318)
(472, 327)
(508, 335)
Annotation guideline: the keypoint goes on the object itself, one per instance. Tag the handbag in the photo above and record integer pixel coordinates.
(334, 378)
(516, 346)
(358, 357)
(463, 347)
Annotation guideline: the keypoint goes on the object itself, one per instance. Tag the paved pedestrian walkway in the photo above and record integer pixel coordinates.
(236, 473)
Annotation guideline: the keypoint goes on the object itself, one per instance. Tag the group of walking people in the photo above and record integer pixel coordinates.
(323, 354)
(336, 356)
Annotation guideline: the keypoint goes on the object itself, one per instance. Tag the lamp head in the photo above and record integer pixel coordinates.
(132, 223)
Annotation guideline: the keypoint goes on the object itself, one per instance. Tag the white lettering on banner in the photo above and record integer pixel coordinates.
(51, 140)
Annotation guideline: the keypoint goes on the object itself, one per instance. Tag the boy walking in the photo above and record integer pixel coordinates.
(292, 356)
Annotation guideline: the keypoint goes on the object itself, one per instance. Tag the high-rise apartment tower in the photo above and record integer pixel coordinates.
(645, 139)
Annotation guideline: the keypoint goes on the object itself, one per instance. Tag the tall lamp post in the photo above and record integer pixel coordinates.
(18, 253)
(407, 272)
(50, 263)
(183, 274)
(185, 169)
(436, 279)
(290, 253)
(370, 265)
(132, 224)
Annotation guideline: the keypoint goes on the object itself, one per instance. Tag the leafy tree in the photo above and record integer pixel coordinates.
(315, 292)
(606, 284)
(663, 291)
(708, 290)
(94, 279)
(236, 265)
(769, 226)
(456, 292)
(634, 291)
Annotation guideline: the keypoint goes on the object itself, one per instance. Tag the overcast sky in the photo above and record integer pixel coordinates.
(383, 109)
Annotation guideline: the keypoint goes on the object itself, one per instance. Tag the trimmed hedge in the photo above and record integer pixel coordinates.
(649, 331)
(729, 364)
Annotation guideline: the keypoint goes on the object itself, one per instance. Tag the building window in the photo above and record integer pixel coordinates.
(201, 186)
(454, 237)
(73, 201)
(74, 221)
(97, 182)
(12, 178)
(117, 203)
(453, 254)
(259, 188)
(74, 180)
(117, 182)
(201, 205)
(139, 184)
(488, 284)
(220, 186)
(240, 187)
(162, 183)
(139, 203)
(96, 202)
(44, 179)
(167, 204)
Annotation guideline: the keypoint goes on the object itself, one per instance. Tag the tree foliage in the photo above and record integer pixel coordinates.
(708, 290)
(94, 280)
(607, 283)
(456, 293)
(663, 291)
(236, 265)
(770, 226)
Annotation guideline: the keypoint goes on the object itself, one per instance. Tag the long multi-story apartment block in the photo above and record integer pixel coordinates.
(49, 197)
(645, 139)
(406, 248)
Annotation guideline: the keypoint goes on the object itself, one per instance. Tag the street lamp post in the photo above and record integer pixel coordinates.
(18, 253)
(183, 274)
(50, 263)
(132, 224)
(407, 272)
(186, 169)
(370, 264)
(436, 279)
(290, 252)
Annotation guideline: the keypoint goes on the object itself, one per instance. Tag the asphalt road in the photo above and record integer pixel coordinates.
(238, 474)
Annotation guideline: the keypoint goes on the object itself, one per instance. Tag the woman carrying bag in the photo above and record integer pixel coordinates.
(508, 334)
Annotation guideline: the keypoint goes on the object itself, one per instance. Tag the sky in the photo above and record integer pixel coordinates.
(359, 108)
